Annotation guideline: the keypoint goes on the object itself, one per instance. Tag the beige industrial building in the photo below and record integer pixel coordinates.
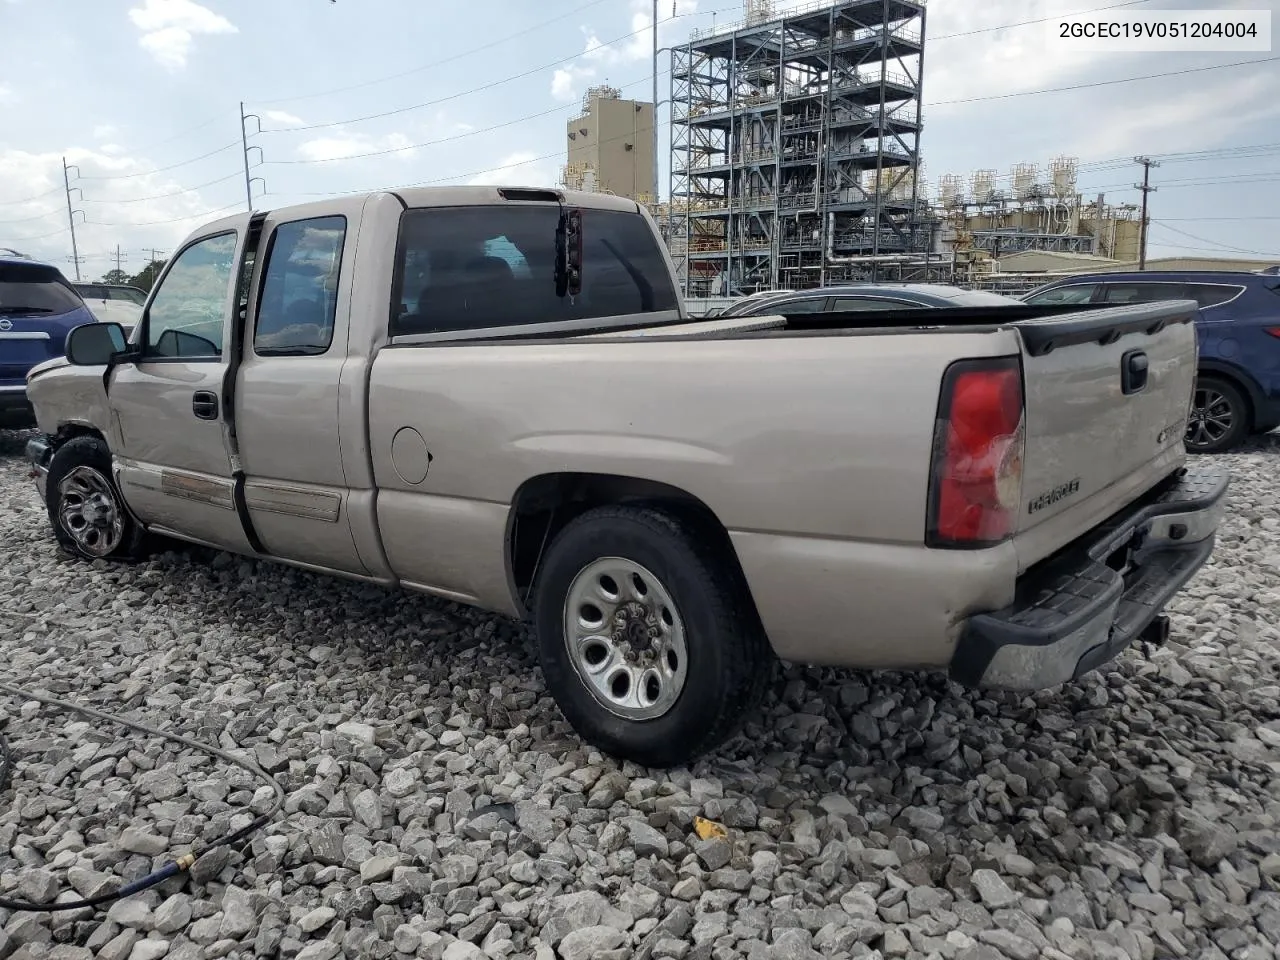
(611, 146)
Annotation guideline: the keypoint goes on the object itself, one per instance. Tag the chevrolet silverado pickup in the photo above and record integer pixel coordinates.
(496, 396)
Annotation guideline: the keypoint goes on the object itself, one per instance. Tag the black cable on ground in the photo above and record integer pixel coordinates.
(171, 868)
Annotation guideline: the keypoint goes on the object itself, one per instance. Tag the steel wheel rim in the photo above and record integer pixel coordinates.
(1211, 418)
(88, 511)
(625, 638)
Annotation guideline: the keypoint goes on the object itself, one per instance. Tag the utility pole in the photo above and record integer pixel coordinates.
(655, 101)
(71, 214)
(244, 145)
(119, 258)
(1146, 188)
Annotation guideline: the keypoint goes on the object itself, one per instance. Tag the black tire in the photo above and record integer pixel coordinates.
(728, 661)
(89, 459)
(1219, 416)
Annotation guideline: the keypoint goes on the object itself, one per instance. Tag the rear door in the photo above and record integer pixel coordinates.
(173, 466)
(1096, 435)
(288, 387)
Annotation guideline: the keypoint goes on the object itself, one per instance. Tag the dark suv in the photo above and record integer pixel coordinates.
(1238, 387)
(38, 308)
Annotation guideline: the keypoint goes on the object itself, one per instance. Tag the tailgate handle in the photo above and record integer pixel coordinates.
(1133, 372)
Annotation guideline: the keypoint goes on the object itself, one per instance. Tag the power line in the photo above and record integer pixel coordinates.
(154, 223)
(1101, 83)
(1026, 23)
(1223, 246)
(38, 216)
(172, 166)
(464, 93)
(38, 196)
(449, 139)
(43, 236)
(166, 196)
(436, 63)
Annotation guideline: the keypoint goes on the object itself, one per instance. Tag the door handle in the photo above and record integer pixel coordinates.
(204, 404)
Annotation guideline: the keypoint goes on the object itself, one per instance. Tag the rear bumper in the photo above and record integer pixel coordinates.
(1082, 607)
(14, 397)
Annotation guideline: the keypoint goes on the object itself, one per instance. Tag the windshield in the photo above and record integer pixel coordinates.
(35, 288)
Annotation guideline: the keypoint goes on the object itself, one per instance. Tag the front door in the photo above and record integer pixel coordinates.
(172, 463)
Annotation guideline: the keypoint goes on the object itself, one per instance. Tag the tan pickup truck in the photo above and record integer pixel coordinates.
(496, 396)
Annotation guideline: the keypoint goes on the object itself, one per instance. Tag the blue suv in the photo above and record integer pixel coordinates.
(38, 308)
(1238, 382)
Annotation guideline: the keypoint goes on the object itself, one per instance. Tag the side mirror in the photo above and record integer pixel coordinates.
(94, 344)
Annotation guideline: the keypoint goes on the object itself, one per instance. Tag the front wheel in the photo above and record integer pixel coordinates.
(86, 510)
(646, 635)
(1219, 416)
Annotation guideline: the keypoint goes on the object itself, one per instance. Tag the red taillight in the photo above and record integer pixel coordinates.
(1274, 331)
(977, 454)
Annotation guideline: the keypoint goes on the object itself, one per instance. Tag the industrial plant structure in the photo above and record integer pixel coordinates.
(611, 146)
(795, 146)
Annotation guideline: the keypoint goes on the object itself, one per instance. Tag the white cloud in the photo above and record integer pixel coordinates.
(169, 27)
(565, 82)
(639, 46)
(341, 146)
(523, 168)
(1159, 125)
(144, 210)
(283, 118)
(104, 131)
(6, 93)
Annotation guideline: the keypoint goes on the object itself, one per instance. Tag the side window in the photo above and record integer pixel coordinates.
(1071, 293)
(299, 296)
(812, 305)
(1142, 292)
(474, 268)
(871, 303)
(1212, 294)
(188, 311)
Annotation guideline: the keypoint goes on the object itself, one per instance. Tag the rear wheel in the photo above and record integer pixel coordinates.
(1219, 416)
(86, 510)
(647, 638)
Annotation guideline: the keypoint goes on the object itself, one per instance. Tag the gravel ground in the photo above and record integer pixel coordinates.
(440, 807)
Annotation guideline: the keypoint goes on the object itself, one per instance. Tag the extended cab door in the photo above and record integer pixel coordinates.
(173, 465)
(289, 388)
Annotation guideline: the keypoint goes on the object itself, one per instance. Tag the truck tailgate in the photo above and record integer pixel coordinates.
(1107, 394)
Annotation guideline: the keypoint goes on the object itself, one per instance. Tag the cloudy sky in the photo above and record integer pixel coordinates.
(142, 98)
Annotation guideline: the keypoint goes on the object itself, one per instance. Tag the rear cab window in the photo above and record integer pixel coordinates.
(35, 289)
(487, 267)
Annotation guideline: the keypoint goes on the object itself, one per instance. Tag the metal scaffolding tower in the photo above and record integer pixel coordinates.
(795, 147)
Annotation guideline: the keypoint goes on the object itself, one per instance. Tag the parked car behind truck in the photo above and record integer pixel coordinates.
(495, 396)
(1238, 386)
(38, 308)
